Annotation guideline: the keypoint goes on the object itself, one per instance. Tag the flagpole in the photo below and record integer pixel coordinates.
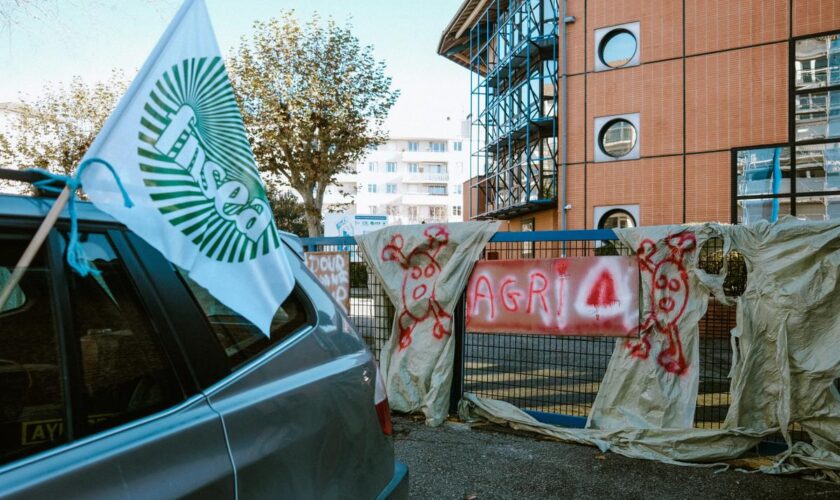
(34, 245)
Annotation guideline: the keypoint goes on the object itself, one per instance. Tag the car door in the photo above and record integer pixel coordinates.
(98, 402)
(298, 405)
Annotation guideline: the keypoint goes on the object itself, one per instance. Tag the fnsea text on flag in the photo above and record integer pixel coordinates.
(179, 146)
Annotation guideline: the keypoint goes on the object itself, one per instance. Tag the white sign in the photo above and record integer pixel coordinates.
(352, 225)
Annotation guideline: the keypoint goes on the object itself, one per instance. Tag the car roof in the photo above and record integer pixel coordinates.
(37, 207)
(13, 205)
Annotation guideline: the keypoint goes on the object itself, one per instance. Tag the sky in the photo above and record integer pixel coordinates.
(61, 39)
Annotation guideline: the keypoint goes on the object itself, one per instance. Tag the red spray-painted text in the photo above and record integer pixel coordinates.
(597, 296)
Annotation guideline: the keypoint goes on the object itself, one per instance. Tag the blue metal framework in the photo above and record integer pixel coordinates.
(513, 63)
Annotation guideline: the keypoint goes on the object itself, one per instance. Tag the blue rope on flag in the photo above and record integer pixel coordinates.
(76, 257)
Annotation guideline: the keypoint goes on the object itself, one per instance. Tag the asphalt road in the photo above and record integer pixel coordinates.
(456, 462)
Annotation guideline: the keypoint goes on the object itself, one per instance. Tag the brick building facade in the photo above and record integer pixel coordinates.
(673, 110)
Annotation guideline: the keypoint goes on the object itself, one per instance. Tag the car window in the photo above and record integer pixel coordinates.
(32, 404)
(17, 299)
(241, 339)
(125, 371)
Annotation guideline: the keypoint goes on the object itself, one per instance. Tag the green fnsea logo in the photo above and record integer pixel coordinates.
(198, 166)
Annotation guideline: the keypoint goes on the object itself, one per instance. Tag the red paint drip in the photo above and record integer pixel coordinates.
(603, 293)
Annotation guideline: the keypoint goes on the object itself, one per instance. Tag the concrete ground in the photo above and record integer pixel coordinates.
(456, 462)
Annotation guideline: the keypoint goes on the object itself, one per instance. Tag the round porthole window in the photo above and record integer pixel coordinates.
(616, 219)
(617, 48)
(618, 138)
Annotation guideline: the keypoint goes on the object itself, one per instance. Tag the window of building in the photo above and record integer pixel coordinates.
(372, 166)
(458, 146)
(413, 146)
(413, 213)
(373, 210)
(527, 246)
(616, 219)
(617, 46)
(438, 213)
(817, 62)
(392, 210)
(437, 190)
(437, 147)
(617, 137)
(390, 166)
(763, 182)
(390, 188)
(800, 178)
(371, 188)
(412, 168)
(456, 210)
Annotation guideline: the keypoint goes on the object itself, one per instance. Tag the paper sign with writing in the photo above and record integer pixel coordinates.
(595, 296)
(333, 271)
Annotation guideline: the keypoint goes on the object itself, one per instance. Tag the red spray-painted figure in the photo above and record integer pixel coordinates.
(421, 272)
(668, 299)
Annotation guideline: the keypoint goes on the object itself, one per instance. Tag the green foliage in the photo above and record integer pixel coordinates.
(313, 100)
(287, 209)
(55, 130)
(358, 275)
(608, 247)
(711, 260)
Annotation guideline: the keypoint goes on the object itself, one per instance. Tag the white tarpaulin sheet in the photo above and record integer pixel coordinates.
(785, 360)
(424, 269)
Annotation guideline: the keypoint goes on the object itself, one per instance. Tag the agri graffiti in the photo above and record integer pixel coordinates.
(421, 271)
(596, 296)
(668, 298)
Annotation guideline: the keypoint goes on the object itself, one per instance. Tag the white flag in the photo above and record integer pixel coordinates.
(179, 146)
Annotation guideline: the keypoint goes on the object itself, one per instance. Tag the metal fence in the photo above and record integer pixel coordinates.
(554, 378)
(370, 309)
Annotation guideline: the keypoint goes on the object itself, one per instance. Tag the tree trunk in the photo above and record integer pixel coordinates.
(313, 224)
(312, 214)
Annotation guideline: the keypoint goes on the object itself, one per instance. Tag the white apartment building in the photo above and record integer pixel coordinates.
(412, 180)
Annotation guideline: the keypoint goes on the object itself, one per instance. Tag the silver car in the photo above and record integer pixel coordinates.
(137, 383)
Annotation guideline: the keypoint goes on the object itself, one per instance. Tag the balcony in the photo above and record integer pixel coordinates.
(436, 200)
(423, 156)
(423, 177)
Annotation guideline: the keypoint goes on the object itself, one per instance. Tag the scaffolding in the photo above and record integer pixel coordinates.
(513, 63)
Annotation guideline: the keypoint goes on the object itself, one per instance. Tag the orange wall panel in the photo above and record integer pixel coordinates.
(815, 16)
(544, 220)
(737, 98)
(575, 196)
(577, 120)
(652, 90)
(712, 25)
(655, 184)
(575, 38)
(708, 187)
